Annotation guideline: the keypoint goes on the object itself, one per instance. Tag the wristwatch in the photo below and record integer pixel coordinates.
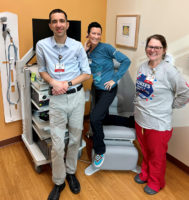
(69, 83)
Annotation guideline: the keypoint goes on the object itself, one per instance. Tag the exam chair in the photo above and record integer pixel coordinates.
(121, 154)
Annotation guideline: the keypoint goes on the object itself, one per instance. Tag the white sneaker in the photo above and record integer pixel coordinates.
(98, 161)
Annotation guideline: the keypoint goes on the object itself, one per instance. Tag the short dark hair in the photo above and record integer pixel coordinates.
(92, 25)
(161, 38)
(57, 11)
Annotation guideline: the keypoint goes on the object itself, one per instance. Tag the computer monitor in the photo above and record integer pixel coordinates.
(41, 30)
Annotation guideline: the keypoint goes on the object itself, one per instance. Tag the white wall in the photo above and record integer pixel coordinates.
(169, 18)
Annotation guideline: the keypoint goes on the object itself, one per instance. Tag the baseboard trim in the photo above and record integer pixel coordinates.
(178, 163)
(175, 161)
(10, 141)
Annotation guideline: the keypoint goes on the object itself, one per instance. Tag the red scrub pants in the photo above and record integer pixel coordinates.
(154, 146)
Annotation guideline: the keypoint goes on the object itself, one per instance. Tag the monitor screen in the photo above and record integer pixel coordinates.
(41, 30)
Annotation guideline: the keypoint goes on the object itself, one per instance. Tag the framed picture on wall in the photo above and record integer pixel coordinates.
(127, 28)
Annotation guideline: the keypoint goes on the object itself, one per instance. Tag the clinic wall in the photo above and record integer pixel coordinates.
(84, 10)
(169, 18)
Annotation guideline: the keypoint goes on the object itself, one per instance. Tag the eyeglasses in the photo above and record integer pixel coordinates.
(154, 47)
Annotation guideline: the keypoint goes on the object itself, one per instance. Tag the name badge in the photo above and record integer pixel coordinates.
(150, 79)
(90, 61)
(59, 67)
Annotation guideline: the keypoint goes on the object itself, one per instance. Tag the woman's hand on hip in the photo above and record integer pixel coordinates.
(108, 85)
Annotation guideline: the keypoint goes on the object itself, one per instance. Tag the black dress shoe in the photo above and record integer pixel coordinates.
(149, 190)
(73, 183)
(55, 193)
(138, 180)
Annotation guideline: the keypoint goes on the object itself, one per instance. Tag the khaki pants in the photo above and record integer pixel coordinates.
(65, 111)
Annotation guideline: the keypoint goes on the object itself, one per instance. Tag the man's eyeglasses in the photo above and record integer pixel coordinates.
(154, 47)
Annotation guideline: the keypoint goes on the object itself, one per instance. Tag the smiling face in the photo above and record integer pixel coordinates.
(59, 25)
(95, 36)
(155, 50)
